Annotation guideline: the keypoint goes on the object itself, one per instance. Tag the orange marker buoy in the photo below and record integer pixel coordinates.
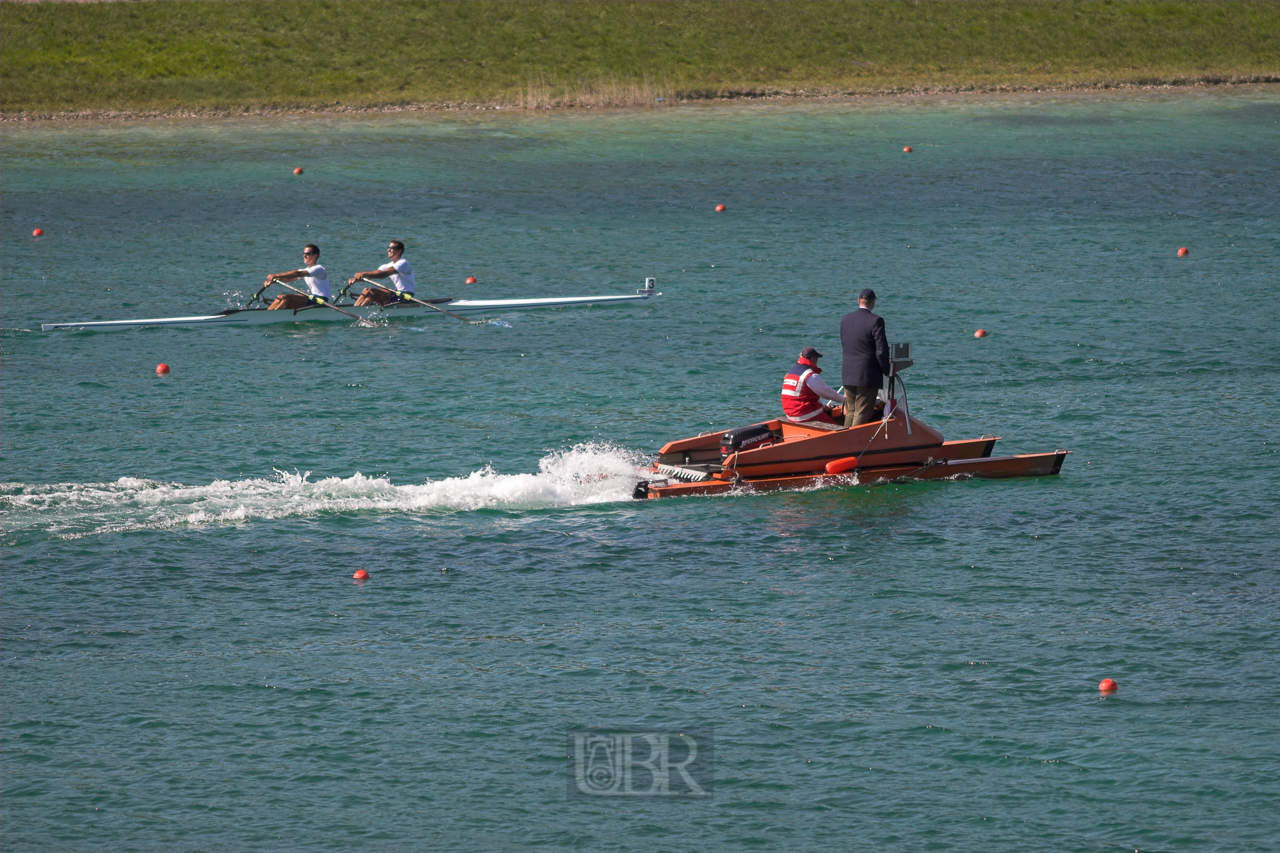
(298, 171)
(162, 369)
(1183, 252)
(39, 232)
(720, 208)
(361, 575)
(1107, 685)
(471, 279)
(906, 150)
(981, 333)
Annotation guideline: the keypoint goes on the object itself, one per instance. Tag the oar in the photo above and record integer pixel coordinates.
(256, 296)
(409, 298)
(345, 290)
(362, 321)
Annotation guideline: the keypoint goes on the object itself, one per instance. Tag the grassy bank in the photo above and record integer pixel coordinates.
(237, 54)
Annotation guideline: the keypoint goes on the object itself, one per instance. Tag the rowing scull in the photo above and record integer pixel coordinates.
(318, 314)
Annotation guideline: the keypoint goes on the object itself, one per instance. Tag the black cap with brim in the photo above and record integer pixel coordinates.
(867, 293)
(810, 353)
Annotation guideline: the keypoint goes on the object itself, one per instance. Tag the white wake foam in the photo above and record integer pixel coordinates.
(585, 474)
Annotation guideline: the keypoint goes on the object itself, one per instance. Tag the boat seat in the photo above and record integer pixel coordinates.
(801, 429)
(816, 425)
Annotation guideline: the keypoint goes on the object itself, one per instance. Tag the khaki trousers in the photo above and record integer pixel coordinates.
(859, 404)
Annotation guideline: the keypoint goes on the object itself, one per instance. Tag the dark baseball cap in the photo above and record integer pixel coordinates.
(867, 293)
(810, 353)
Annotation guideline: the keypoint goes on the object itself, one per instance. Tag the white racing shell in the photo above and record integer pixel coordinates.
(320, 314)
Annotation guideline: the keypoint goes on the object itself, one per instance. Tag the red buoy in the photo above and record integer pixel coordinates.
(298, 171)
(39, 232)
(906, 150)
(720, 208)
(471, 279)
(839, 466)
(1107, 685)
(162, 369)
(981, 333)
(361, 575)
(1183, 252)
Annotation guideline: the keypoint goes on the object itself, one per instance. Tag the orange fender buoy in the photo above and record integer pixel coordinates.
(39, 232)
(981, 333)
(1183, 252)
(1108, 685)
(720, 208)
(162, 369)
(906, 150)
(840, 466)
(361, 575)
(298, 171)
(471, 279)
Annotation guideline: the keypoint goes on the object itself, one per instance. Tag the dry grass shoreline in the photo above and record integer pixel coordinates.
(1261, 83)
(69, 61)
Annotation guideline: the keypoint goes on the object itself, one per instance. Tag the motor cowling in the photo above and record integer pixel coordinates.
(745, 438)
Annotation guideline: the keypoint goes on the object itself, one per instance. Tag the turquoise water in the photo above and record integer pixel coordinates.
(187, 664)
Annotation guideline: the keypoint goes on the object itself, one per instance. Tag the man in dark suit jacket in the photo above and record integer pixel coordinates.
(866, 359)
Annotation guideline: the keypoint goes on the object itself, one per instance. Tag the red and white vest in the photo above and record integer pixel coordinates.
(799, 401)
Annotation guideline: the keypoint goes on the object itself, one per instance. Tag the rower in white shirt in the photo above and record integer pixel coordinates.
(397, 269)
(313, 275)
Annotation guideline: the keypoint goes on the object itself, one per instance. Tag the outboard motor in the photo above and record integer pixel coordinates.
(745, 438)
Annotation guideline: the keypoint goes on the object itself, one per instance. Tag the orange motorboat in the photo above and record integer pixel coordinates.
(780, 454)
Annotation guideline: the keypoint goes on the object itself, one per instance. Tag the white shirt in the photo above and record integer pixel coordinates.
(317, 281)
(402, 278)
(819, 386)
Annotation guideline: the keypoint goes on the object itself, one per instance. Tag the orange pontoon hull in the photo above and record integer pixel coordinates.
(799, 453)
(1024, 465)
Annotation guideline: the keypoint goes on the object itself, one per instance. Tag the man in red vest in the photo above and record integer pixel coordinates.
(803, 391)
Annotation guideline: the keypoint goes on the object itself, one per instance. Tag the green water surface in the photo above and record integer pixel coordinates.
(187, 664)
